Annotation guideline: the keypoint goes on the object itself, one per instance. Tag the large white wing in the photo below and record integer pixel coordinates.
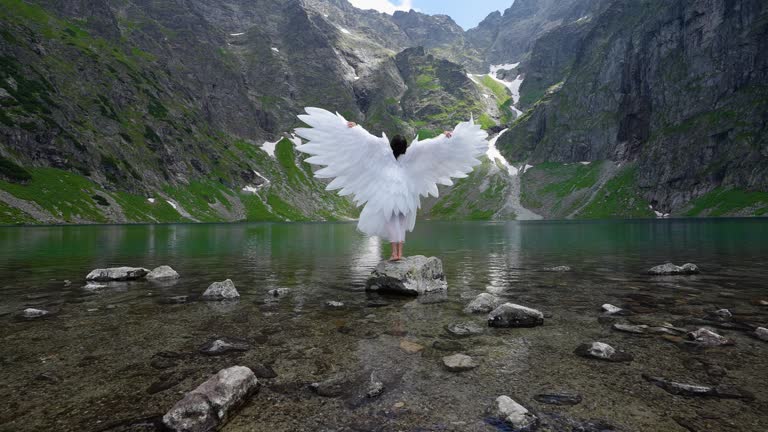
(360, 164)
(434, 161)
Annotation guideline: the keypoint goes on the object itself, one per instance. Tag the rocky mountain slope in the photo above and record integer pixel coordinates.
(141, 111)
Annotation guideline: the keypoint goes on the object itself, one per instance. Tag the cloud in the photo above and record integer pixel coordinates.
(385, 6)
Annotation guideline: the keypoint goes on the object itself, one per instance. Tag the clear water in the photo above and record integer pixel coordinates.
(93, 365)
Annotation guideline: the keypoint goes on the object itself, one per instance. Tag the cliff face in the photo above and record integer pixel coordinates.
(676, 89)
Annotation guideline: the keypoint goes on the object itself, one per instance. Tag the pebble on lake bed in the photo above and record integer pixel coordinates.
(459, 363)
(464, 329)
(219, 346)
(513, 315)
(410, 347)
(762, 333)
(117, 274)
(709, 338)
(672, 269)
(557, 269)
(514, 414)
(334, 304)
(610, 309)
(221, 291)
(211, 404)
(602, 351)
(31, 313)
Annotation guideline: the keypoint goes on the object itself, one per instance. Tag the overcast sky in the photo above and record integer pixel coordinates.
(467, 13)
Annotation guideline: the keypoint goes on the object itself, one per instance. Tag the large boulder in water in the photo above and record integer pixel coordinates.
(163, 272)
(221, 291)
(414, 275)
(211, 404)
(117, 274)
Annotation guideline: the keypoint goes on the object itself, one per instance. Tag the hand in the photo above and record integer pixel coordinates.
(448, 134)
(351, 124)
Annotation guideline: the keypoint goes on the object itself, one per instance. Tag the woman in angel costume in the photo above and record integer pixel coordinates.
(387, 177)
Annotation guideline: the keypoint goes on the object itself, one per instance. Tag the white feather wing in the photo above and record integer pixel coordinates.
(434, 161)
(360, 164)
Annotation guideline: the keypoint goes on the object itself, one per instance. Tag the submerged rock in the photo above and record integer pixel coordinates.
(483, 303)
(610, 309)
(558, 398)
(211, 404)
(410, 347)
(221, 291)
(279, 292)
(459, 363)
(557, 269)
(709, 338)
(630, 328)
(514, 414)
(513, 315)
(414, 275)
(334, 386)
(375, 387)
(602, 351)
(117, 274)
(762, 333)
(334, 304)
(220, 346)
(32, 313)
(672, 269)
(92, 286)
(163, 272)
(683, 389)
(464, 329)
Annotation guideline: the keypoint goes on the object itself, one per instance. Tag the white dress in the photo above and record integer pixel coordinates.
(363, 165)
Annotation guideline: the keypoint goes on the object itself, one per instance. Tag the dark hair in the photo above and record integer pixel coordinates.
(398, 145)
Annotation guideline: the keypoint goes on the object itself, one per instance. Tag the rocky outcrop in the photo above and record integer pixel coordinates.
(117, 274)
(413, 275)
(513, 315)
(210, 405)
(671, 269)
(221, 291)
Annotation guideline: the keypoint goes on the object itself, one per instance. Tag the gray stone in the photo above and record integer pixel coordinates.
(602, 351)
(483, 303)
(413, 275)
(334, 304)
(279, 292)
(163, 272)
(464, 329)
(629, 328)
(708, 338)
(723, 313)
(221, 291)
(375, 388)
(672, 269)
(610, 309)
(683, 389)
(459, 363)
(117, 274)
(220, 346)
(91, 286)
(334, 386)
(762, 333)
(513, 315)
(32, 313)
(514, 414)
(211, 404)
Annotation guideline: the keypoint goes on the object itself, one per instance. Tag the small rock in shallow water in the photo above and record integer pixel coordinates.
(220, 346)
(723, 313)
(459, 363)
(163, 272)
(483, 303)
(610, 309)
(558, 398)
(221, 291)
(629, 328)
(334, 304)
(410, 347)
(334, 386)
(464, 329)
(683, 389)
(117, 274)
(263, 371)
(762, 333)
(279, 292)
(67, 282)
(48, 377)
(91, 286)
(671, 269)
(32, 313)
(375, 388)
(415, 275)
(514, 414)
(513, 315)
(557, 269)
(211, 404)
(602, 351)
(709, 338)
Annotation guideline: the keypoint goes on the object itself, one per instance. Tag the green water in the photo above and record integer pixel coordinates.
(102, 346)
